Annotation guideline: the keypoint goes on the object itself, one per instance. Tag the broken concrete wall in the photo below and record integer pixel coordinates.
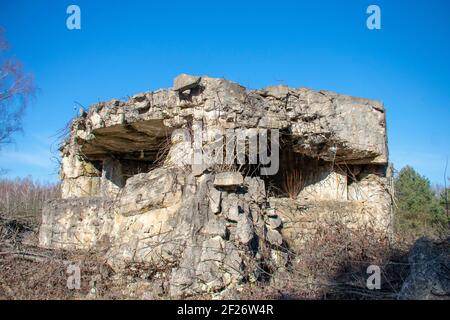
(112, 180)
(76, 223)
(80, 177)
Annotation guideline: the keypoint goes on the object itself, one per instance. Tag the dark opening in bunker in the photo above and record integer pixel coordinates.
(122, 151)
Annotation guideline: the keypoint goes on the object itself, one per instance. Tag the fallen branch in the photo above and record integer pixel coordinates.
(27, 255)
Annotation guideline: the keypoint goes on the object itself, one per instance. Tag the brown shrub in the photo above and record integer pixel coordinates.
(332, 265)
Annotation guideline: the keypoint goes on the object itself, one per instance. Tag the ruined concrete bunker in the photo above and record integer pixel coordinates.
(129, 184)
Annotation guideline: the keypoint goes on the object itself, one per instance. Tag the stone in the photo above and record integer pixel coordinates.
(255, 189)
(182, 278)
(429, 269)
(180, 153)
(279, 258)
(230, 206)
(234, 264)
(198, 169)
(273, 222)
(142, 105)
(216, 227)
(228, 179)
(233, 212)
(244, 229)
(209, 270)
(279, 91)
(213, 249)
(215, 198)
(274, 237)
(271, 212)
(185, 82)
(148, 191)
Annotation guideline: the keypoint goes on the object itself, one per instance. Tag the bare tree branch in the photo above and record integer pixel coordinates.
(16, 89)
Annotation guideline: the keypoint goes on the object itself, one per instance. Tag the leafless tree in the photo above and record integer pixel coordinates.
(16, 89)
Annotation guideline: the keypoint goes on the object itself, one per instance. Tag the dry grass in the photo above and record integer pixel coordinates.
(46, 278)
(294, 174)
(332, 264)
(293, 182)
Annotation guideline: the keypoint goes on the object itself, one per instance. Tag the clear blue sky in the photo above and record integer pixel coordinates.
(125, 47)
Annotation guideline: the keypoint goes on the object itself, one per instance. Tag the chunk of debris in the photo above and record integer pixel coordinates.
(185, 82)
(228, 179)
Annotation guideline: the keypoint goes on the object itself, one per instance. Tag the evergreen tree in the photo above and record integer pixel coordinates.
(418, 209)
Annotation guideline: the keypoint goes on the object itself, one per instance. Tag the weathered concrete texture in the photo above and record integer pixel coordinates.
(80, 223)
(130, 189)
(301, 219)
(228, 179)
(326, 185)
(160, 188)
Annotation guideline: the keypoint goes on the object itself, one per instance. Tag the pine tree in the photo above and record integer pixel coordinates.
(418, 210)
